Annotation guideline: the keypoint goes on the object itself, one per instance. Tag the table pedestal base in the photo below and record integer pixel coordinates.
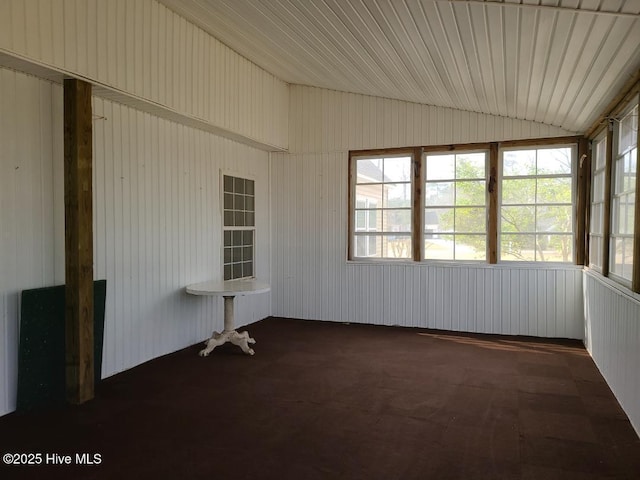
(241, 339)
(228, 334)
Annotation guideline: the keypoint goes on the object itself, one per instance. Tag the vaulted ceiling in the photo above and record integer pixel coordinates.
(553, 61)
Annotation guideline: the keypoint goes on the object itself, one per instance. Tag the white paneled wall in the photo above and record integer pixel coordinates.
(329, 121)
(157, 223)
(612, 336)
(311, 278)
(143, 48)
(158, 228)
(28, 239)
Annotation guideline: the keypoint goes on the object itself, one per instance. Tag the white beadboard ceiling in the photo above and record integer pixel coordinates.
(553, 61)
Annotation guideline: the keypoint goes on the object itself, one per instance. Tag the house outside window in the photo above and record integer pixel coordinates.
(382, 212)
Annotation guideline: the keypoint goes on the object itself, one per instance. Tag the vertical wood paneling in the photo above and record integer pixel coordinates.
(157, 224)
(147, 50)
(329, 121)
(311, 278)
(161, 228)
(28, 206)
(309, 193)
(612, 337)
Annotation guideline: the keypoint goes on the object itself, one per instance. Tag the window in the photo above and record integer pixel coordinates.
(596, 230)
(492, 202)
(455, 219)
(625, 167)
(536, 212)
(239, 227)
(382, 210)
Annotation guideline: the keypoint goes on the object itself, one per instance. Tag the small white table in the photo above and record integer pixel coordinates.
(229, 290)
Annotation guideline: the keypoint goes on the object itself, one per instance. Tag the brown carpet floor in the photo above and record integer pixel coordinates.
(333, 401)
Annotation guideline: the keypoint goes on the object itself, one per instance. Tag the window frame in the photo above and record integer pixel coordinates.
(493, 188)
(237, 228)
(486, 150)
(604, 139)
(634, 281)
(522, 146)
(353, 231)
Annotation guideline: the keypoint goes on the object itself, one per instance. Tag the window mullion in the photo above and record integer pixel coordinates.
(417, 227)
(492, 187)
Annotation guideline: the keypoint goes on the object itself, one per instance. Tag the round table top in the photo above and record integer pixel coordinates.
(229, 288)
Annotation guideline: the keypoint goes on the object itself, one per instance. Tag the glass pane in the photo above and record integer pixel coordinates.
(247, 269)
(396, 246)
(597, 194)
(517, 247)
(238, 202)
(439, 193)
(517, 219)
(438, 220)
(597, 217)
(374, 220)
(228, 183)
(369, 193)
(397, 195)
(368, 221)
(397, 169)
(518, 162)
(470, 165)
(228, 201)
(470, 247)
(554, 219)
(619, 175)
(628, 131)
(238, 185)
(554, 190)
(369, 170)
(627, 213)
(439, 247)
(622, 258)
(249, 187)
(470, 219)
(440, 167)
(554, 161)
(630, 169)
(396, 220)
(518, 191)
(601, 153)
(595, 251)
(554, 248)
(471, 193)
(368, 246)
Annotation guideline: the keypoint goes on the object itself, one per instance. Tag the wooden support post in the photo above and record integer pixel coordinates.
(581, 201)
(492, 188)
(78, 204)
(417, 238)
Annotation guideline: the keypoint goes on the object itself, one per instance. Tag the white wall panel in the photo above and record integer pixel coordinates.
(158, 229)
(28, 244)
(157, 223)
(313, 280)
(612, 336)
(329, 121)
(146, 50)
